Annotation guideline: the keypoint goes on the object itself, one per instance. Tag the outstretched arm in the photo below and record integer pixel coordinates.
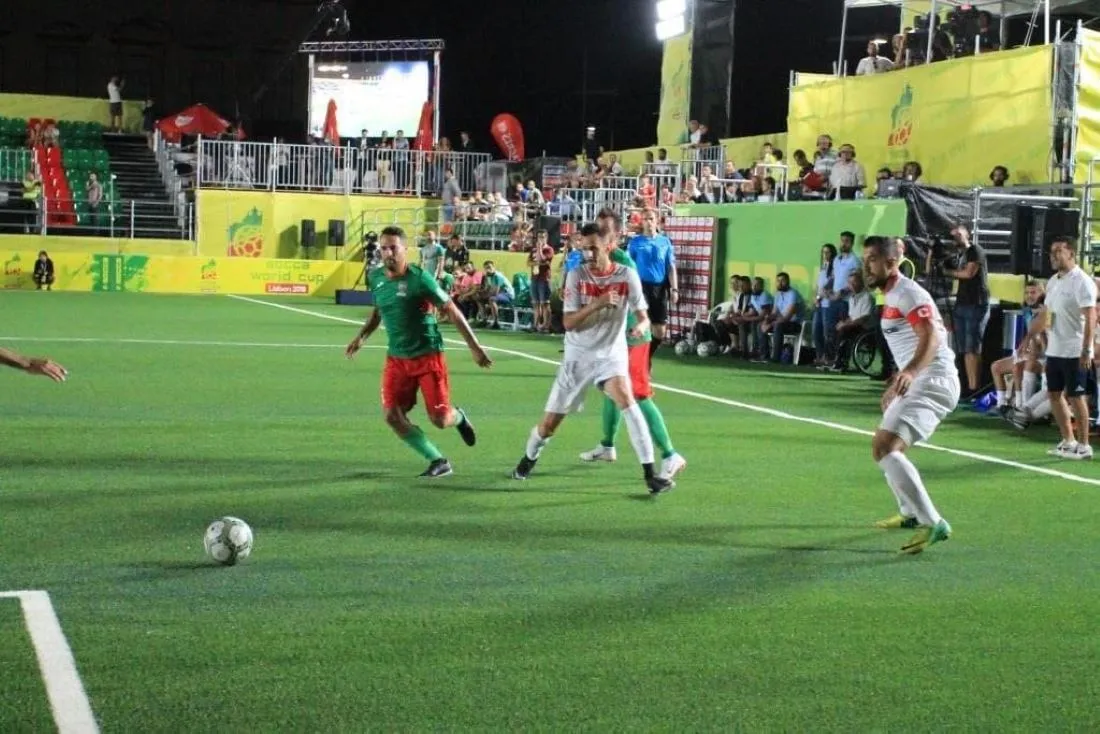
(455, 315)
(34, 365)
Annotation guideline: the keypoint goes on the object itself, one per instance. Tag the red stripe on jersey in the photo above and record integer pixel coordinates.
(892, 312)
(919, 314)
(595, 291)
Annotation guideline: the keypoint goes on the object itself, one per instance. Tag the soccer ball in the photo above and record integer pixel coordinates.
(707, 349)
(684, 348)
(228, 540)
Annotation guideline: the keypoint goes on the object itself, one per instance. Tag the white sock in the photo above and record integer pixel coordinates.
(1030, 385)
(535, 444)
(901, 473)
(1039, 405)
(905, 509)
(1002, 398)
(639, 433)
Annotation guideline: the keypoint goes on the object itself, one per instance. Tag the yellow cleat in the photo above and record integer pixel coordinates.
(927, 536)
(897, 522)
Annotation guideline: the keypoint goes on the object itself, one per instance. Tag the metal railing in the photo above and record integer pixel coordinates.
(279, 166)
(127, 219)
(176, 186)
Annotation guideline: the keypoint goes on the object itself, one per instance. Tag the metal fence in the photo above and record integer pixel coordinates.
(118, 219)
(279, 166)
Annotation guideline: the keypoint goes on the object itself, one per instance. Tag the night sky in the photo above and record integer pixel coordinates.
(527, 57)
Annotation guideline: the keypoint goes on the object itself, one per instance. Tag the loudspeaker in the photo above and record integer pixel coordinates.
(336, 232)
(552, 225)
(1033, 229)
(309, 233)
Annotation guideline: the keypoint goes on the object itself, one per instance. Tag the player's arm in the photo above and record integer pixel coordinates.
(921, 319)
(673, 274)
(459, 320)
(575, 315)
(369, 327)
(637, 303)
(33, 365)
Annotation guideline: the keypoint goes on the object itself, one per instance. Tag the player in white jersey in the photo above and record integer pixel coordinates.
(598, 296)
(922, 393)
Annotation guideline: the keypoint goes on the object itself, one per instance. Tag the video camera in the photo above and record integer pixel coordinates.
(371, 256)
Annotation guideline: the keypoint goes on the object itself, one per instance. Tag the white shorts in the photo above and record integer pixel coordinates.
(576, 376)
(916, 415)
(1018, 358)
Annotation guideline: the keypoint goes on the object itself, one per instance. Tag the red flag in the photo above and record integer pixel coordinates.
(329, 132)
(508, 133)
(424, 137)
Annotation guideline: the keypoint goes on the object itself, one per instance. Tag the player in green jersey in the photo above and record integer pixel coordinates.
(672, 463)
(405, 301)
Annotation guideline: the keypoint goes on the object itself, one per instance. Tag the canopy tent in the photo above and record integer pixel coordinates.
(1002, 8)
(195, 120)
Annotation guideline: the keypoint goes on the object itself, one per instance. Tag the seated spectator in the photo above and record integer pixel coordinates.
(847, 178)
(502, 210)
(824, 160)
(823, 297)
(732, 323)
(457, 254)
(495, 292)
(998, 177)
(912, 172)
(784, 318)
(859, 320)
(614, 168)
(802, 166)
(43, 271)
(731, 173)
(668, 199)
(731, 192)
(767, 190)
(872, 63)
(692, 194)
(706, 323)
(760, 307)
(1025, 364)
(466, 291)
(534, 200)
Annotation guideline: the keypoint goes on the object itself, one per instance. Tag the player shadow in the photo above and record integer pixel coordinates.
(154, 570)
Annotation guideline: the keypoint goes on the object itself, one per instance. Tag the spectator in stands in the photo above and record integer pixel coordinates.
(802, 165)
(534, 200)
(457, 252)
(613, 166)
(710, 184)
(971, 304)
(451, 196)
(730, 173)
(847, 179)
(401, 162)
(32, 198)
(767, 190)
(823, 299)
(647, 191)
(591, 147)
(872, 63)
(706, 324)
(496, 291)
(540, 260)
(998, 177)
(1024, 363)
(149, 121)
(692, 194)
(760, 307)
(502, 210)
(695, 133)
(43, 271)
(731, 192)
(859, 321)
(825, 157)
(664, 167)
(989, 38)
(785, 318)
(114, 102)
(480, 207)
(51, 136)
(465, 142)
(93, 191)
(912, 172)
(468, 290)
(733, 323)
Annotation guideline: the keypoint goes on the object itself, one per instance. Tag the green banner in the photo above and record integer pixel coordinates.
(675, 109)
(761, 240)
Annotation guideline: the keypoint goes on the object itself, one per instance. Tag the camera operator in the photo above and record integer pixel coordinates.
(971, 304)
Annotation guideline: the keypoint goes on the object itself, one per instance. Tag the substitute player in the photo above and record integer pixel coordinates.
(598, 296)
(405, 299)
(922, 393)
(672, 463)
(34, 365)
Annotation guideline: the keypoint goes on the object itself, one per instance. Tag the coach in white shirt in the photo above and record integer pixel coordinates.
(1068, 315)
(872, 63)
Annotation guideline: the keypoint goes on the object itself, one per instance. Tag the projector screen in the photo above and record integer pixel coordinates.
(376, 96)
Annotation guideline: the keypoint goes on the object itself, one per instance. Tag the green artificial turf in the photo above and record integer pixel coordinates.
(755, 597)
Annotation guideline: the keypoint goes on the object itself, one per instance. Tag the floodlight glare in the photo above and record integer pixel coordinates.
(669, 9)
(671, 28)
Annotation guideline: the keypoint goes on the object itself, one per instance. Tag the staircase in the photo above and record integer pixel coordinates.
(138, 179)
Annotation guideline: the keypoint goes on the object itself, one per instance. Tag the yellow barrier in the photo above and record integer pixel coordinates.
(268, 224)
(80, 109)
(958, 118)
(93, 245)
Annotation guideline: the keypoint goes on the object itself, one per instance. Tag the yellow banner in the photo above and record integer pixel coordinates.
(675, 109)
(153, 274)
(802, 78)
(54, 244)
(78, 109)
(265, 224)
(958, 118)
(1088, 108)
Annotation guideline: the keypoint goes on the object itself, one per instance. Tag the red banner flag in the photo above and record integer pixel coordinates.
(424, 137)
(508, 133)
(329, 132)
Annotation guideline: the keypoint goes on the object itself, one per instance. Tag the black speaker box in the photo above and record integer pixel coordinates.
(336, 232)
(309, 233)
(1033, 229)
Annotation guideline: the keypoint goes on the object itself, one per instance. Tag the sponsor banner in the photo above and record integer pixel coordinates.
(957, 118)
(153, 274)
(675, 109)
(1088, 126)
(693, 241)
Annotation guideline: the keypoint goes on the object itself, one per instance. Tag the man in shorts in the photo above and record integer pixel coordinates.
(598, 297)
(656, 264)
(539, 260)
(405, 301)
(922, 393)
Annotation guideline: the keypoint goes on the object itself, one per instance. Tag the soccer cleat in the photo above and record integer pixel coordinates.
(672, 466)
(523, 468)
(465, 428)
(438, 468)
(600, 453)
(897, 522)
(927, 536)
(1063, 450)
(659, 485)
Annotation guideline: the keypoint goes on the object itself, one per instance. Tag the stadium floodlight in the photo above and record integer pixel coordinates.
(671, 19)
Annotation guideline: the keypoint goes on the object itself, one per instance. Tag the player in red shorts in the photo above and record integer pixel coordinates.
(405, 302)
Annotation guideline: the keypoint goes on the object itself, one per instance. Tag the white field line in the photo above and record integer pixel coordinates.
(174, 342)
(72, 712)
(736, 404)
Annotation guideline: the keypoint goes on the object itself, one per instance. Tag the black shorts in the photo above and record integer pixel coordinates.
(116, 109)
(656, 296)
(1064, 375)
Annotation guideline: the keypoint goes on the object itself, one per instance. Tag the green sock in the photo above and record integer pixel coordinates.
(657, 428)
(419, 443)
(612, 417)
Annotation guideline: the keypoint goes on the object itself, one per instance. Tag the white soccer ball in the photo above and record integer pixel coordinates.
(228, 540)
(707, 349)
(684, 348)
